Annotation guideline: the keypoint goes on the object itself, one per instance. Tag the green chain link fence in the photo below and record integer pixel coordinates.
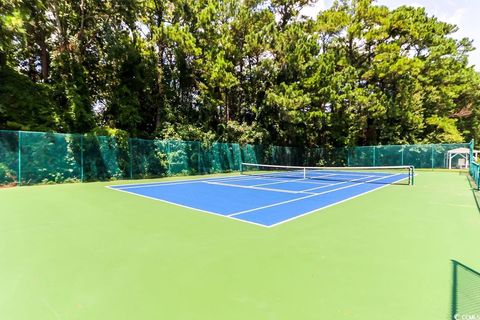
(28, 158)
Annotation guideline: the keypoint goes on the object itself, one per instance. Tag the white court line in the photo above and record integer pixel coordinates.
(228, 216)
(284, 179)
(199, 178)
(306, 181)
(302, 180)
(279, 182)
(184, 206)
(174, 182)
(235, 178)
(334, 184)
(309, 196)
(330, 205)
(255, 188)
(169, 183)
(161, 184)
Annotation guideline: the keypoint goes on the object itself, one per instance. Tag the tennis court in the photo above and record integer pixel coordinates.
(269, 195)
(85, 251)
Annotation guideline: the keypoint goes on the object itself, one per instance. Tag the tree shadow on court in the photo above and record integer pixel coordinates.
(465, 292)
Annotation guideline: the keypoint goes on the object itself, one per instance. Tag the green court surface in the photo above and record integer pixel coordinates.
(83, 251)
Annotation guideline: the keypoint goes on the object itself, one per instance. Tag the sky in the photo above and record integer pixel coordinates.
(463, 13)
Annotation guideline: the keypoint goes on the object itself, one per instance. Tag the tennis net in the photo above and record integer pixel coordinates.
(381, 175)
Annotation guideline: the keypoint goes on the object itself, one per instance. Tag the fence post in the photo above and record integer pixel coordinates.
(403, 150)
(238, 151)
(81, 159)
(373, 155)
(348, 156)
(432, 146)
(19, 176)
(199, 158)
(130, 155)
(472, 146)
(168, 157)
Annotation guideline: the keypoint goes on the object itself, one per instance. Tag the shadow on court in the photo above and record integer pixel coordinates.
(465, 292)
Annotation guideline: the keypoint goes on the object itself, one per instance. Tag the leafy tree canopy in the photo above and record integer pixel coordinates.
(250, 71)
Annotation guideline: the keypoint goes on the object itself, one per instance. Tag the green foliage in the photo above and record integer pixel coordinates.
(26, 105)
(238, 71)
(185, 132)
(7, 175)
(444, 130)
(243, 133)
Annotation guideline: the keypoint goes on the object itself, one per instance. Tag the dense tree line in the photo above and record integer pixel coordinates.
(250, 71)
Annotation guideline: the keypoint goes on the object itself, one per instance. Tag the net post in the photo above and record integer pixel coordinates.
(81, 159)
(241, 167)
(373, 151)
(19, 175)
(412, 172)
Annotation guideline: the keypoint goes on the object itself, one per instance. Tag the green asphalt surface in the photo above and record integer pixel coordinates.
(83, 251)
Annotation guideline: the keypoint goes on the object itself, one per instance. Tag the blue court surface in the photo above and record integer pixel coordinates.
(261, 200)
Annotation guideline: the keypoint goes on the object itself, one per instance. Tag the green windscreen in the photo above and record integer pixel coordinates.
(49, 158)
(148, 158)
(37, 157)
(105, 158)
(390, 156)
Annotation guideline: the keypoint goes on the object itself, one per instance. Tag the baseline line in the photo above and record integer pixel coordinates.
(199, 178)
(184, 206)
(155, 185)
